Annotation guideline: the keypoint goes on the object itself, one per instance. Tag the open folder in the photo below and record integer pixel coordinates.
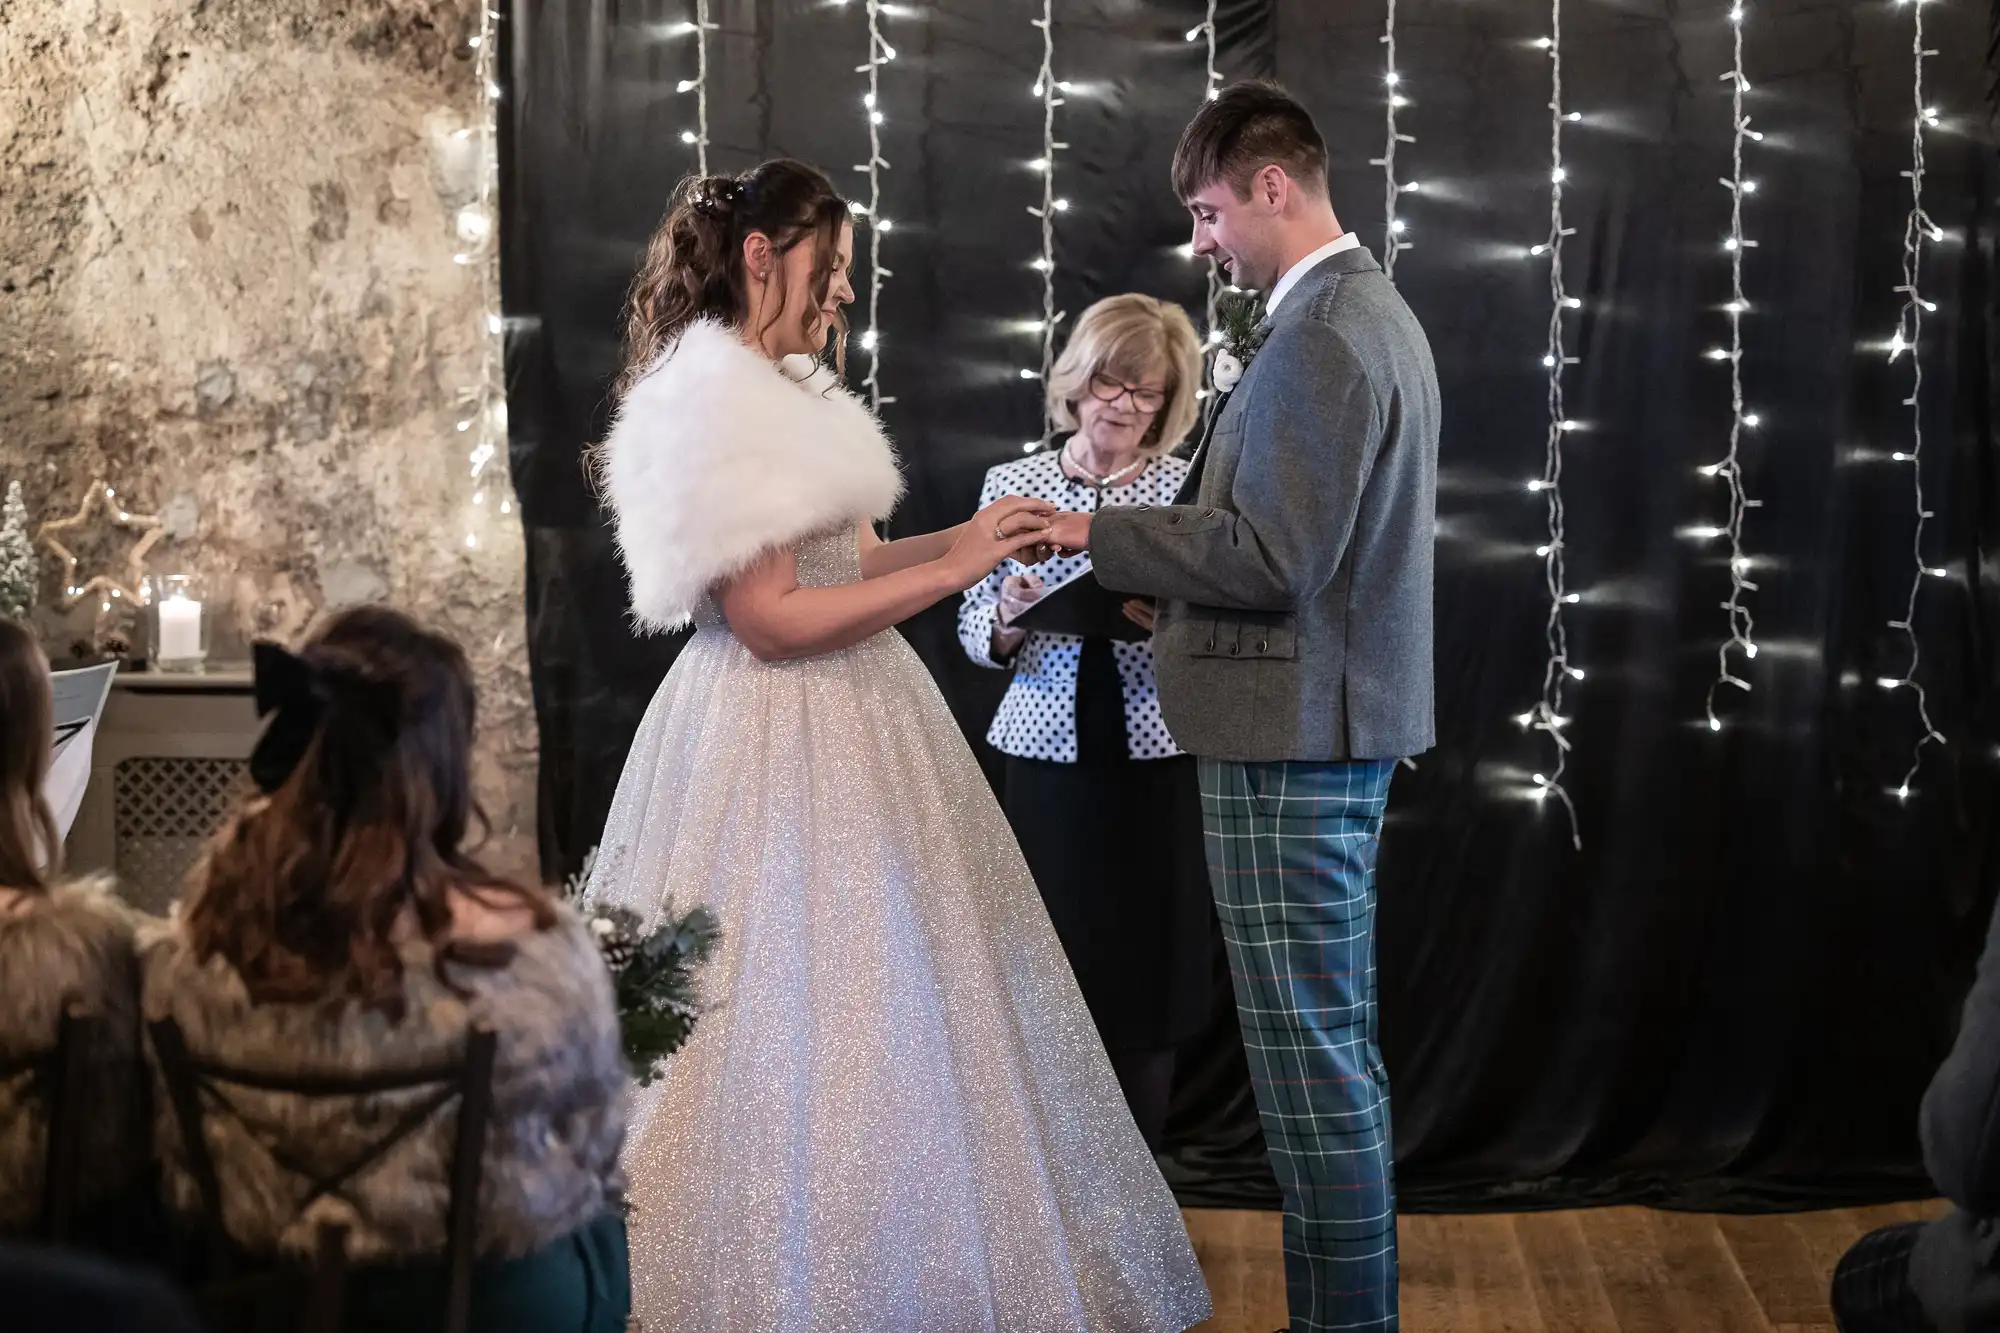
(80, 696)
(1082, 606)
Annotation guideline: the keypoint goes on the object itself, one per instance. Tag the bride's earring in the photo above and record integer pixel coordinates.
(757, 262)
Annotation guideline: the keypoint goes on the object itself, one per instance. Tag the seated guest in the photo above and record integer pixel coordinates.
(1944, 1276)
(61, 944)
(341, 928)
(1105, 805)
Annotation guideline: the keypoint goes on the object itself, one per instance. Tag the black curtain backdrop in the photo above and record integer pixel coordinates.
(1734, 994)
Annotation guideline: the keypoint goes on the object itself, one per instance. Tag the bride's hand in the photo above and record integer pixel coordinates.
(1027, 520)
(1013, 526)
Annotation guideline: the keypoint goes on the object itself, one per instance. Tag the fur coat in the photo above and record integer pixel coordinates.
(75, 943)
(719, 457)
(559, 1093)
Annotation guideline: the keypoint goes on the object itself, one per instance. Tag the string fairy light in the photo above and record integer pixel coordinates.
(483, 403)
(104, 587)
(1547, 714)
(1211, 90)
(1393, 100)
(697, 138)
(880, 53)
(1917, 229)
(1049, 89)
(1742, 625)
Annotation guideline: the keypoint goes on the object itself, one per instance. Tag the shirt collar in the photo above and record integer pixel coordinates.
(1347, 241)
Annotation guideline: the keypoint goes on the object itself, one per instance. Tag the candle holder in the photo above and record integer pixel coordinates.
(177, 623)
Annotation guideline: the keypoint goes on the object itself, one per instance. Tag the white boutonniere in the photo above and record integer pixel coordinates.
(1241, 330)
(1226, 371)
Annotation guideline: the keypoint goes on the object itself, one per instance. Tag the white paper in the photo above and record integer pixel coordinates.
(1068, 579)
(80, 697)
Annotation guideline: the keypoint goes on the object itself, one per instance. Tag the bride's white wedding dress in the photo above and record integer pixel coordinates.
(895, 1115)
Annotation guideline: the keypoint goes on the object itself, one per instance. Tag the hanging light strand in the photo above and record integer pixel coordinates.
(697, 138)
(1547, 715)
(880, 53)
(482, 404)
(1742, 625)
(1917, 229)
(1049, 89)
(1214, 89)
(1211, 90)
(701, 31)
(1393, 100)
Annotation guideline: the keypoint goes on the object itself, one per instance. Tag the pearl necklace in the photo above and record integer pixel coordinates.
(1106, 481)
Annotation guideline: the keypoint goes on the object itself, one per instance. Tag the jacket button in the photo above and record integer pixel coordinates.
(1263, 645)
(1208, 513)
(1208, 647)
(1235, 648)
(1174, 518)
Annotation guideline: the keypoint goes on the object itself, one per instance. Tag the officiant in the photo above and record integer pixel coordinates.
(1103, 802)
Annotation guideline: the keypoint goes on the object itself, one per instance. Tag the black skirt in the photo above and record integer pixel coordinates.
(1115, 847)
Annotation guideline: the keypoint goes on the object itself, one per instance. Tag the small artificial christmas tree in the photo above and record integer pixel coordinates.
(20, 575)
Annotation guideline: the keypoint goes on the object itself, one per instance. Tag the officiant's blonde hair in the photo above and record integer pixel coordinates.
(30, 846)
(1132, 336)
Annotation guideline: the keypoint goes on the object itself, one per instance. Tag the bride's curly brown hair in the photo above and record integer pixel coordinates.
(693, 267)
(694, 264)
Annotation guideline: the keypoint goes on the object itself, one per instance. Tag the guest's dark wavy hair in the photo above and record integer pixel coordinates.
(30, 846)
(308, 890)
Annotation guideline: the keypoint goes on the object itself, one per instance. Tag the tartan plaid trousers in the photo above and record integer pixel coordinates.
(1291, 855)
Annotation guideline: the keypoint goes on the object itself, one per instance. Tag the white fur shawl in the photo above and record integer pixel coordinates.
(718, 457)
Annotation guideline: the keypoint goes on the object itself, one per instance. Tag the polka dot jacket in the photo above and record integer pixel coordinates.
(1037, 719)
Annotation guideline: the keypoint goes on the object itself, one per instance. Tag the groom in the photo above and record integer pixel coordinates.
(1293, 650)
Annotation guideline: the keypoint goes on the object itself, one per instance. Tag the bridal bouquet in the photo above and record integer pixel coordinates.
(652, 975)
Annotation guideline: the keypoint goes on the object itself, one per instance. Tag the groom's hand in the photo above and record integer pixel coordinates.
(1069, 533)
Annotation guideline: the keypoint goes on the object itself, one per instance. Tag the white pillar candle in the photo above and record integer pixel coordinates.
(180, 629)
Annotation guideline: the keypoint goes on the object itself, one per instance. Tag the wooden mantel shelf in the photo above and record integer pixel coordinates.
(222, 678)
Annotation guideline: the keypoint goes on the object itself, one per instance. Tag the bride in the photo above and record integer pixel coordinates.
(895, 1116)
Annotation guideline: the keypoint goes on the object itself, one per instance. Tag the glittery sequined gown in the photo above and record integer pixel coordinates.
(896, 1116)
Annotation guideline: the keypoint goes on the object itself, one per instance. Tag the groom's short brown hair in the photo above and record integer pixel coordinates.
(1242, 130)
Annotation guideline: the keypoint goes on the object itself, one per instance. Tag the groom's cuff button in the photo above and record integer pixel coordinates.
(1174, 519)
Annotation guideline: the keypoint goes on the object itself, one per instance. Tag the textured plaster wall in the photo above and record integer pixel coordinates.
(227, 231)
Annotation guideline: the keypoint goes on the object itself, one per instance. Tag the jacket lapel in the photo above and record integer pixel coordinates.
(1191, 486)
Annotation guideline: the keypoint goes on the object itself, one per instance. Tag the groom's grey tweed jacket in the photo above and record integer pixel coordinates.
(1295, 571)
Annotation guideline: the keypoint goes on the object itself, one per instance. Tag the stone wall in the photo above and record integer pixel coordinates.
(227, 283)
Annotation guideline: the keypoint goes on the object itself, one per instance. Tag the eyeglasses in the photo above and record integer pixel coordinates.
(1108, 390)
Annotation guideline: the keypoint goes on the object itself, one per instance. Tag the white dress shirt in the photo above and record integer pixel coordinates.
(1347, 241)
(1037, 719)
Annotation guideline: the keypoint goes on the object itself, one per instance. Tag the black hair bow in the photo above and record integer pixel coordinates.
(297, 696)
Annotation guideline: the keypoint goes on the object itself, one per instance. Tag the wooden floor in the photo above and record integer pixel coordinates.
(1611, 1270)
